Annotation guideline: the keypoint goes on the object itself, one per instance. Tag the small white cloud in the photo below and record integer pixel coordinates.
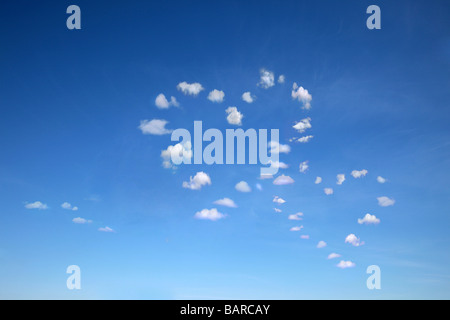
(278, 200)
(276, 147)
(192, 89)
(295, 229)
(183, 152)
(303, 166)
(259, 186)
(304, 236)
(340, 178)
(297, 216)
(281, 79)
(36, 205)
(198, 181)
(305, 139)
(381, 179)
(216, 96)
(353, 240)
(155, 126)
(385, 201)
(318, 180)
(242, 187)
(278, 164)
(247, 97)
(358, 174)
(321, 244)
(68, 206)
(106, 229)
(234, 116)
(302, 95)
(345, 264)
(211, 214)
(265, 176)
(328, 191)
(226, 202)
(277, 210)
(303, 125)
(283, 180)
(80, 220)
(162, 103)
(333, 256)
(369, 219)
(267, 79)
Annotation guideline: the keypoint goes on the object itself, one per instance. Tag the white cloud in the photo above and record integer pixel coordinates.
(178, 151)
(340, 178)
(265, 176)
(192, 89)
(303, 125)
(259, 186)
(283, 180)
(278, 200)
(380, 179)
(328, 191)
(247, 97)
(369, 219)
(226, 202)
(36, 205)
(281, 79)
(333, 256)
(216, 96)
(243, 187)
(276, 147)
(305, 139)
(297, 216)
(318, 180)
(304, 236)
(81, 220)
(106, 229)
(278, 164)
(321, 244)
(155, 126)
(385, 201)
(198, 181)
(234, 116)
(298, 228)
(302, 95)
(277, 210)
(68, 206)
(353, 240)
(162, 103)
(211, 214)
(303, 166)
(358, 174)
(345, 264)
(267, 79)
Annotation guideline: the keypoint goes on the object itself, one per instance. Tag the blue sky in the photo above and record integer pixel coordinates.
(72, 102)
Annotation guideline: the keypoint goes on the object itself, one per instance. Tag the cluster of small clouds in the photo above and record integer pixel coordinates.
(68, 206)
(162, 103)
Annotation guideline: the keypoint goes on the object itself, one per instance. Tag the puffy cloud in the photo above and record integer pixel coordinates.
(305, 139)
(321, 244)
(318, 180)
(345, 264)
(283, 180)
(298, 228)
(278, 200)
(297, 216)
(303, 166)
(155, 126)
(36, 205)
(191, 89)
(106, 229)
(68, 206)
(81, 220)
(328, 191)
(226, 202)
(369, 219)
(302, 95)
(385, 201)
(183, 152)
(242, 187)
(276, 147)
(162, 103)
(303, 125)
(358, 174)
(234, 116)
(340, 178)
(198, 181)
(304, 236)
(247, 97)
(277, 210)
(353, 240)
(267, 79)
(281, 79)
(211, 214)
(380, 179)
(333, 256)
(216, 96)
(278, 164)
